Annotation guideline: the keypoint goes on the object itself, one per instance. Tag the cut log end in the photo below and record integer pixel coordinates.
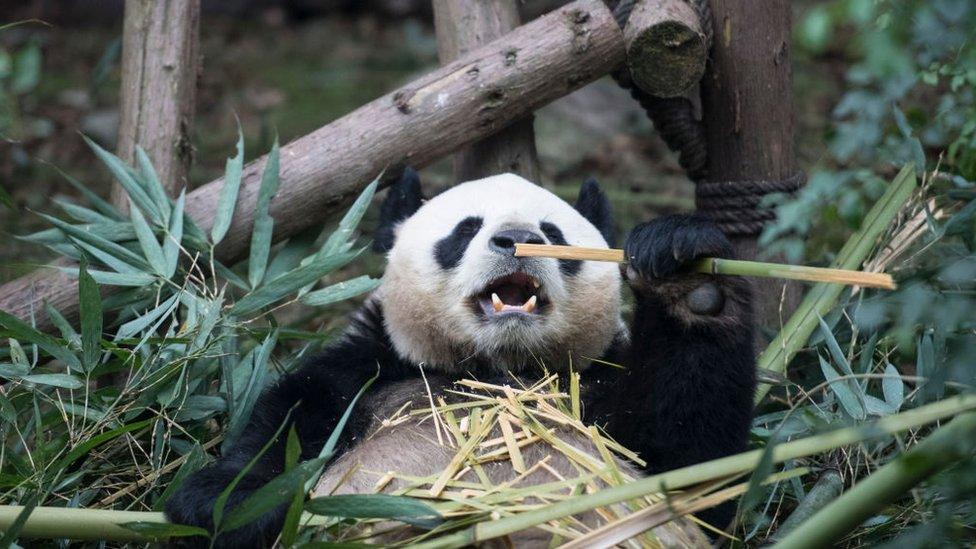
(667, 60)
(666, 47)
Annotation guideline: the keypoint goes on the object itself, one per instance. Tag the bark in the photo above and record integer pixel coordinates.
(463, 25)
(747, 100)
(160, 63)
(666, 47)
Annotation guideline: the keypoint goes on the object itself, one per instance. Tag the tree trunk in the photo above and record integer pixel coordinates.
(747, 99)
(463, 25)
(160, 63)
(462, 102)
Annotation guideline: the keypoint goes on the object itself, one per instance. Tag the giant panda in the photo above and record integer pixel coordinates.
(455, 302)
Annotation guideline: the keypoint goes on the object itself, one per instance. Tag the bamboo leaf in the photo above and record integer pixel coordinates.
(230, 276)
(365, 506)
(287, 284)
(338, 241)
(255, 385)
(141, 322)
(14, 371)
(82, 214)
(147, 241)
(293, 451)
(107, 278)
(108, 259)
(876, 407)
(228, 193)
(64, 381)
(67, 332)
(263, 222)
(893, 387)
(836, 352)
(124, 176)
(340, 291)
(17, 354)
(851, 404)
(351, 219)
(96, 241)
(153, 187)
(113, 231)
(174, 237)
(51, 346)
(90, 306)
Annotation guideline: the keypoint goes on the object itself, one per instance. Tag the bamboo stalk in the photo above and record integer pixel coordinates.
(104, 524)
(822, 297)
(83, 524)
(714, 265)
(946, 446)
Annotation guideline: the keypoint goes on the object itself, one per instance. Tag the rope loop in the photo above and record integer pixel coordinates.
(735, 206)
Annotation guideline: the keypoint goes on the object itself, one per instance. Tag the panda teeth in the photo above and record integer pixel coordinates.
(529, 305)
(496, 303)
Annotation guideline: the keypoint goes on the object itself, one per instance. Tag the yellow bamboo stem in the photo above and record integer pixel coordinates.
(722, 266)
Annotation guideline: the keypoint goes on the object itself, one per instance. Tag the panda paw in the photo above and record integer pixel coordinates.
(659, 254)
(667, 245)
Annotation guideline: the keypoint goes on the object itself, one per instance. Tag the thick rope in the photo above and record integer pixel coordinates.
(735, 206)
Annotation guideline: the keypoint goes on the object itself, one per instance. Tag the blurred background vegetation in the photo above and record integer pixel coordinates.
(878, 84)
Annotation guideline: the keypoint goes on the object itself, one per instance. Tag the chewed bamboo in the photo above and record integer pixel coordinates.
(722, 266)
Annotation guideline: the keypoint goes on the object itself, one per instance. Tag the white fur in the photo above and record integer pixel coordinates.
(426, 307)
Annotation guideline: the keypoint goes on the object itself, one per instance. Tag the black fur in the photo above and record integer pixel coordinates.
(684, 395)
(568, 267)
(592, 203)
(449, 250)
(402, 200)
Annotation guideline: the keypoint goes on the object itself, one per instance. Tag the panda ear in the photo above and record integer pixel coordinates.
(402, 199)
(593, 204)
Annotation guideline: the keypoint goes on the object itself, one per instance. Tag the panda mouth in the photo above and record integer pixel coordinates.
(514, 294)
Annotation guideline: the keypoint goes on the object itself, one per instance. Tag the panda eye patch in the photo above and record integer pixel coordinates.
(555, 235)
(449, 250)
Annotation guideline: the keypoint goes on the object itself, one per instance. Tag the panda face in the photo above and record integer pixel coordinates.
(453, 291)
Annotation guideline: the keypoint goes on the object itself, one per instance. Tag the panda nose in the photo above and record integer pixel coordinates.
(504, 242)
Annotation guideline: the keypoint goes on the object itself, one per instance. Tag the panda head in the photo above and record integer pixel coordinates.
(455, 297)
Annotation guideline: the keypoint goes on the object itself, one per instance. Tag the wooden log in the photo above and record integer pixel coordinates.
(160, 63)
(467, 100)
(463, 25)
(666, 47)
(747, 99)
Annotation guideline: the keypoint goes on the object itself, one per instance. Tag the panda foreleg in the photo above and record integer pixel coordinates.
(686, 395)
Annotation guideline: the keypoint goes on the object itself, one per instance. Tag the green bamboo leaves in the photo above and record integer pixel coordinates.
(228, 193)
(263, 222)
